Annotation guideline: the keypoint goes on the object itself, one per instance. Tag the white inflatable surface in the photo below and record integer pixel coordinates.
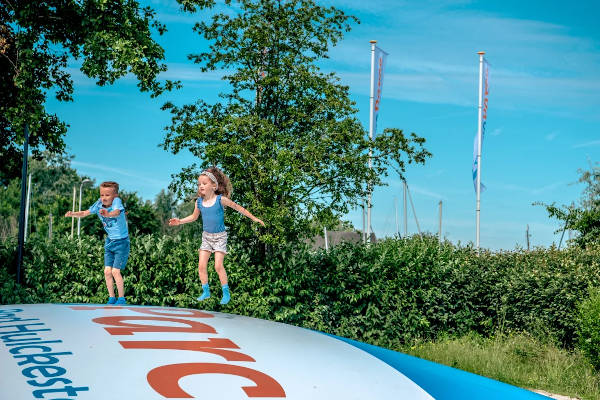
(62, 351)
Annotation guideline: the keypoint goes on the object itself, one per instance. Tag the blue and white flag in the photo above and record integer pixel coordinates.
(484, 95)
(380, 57)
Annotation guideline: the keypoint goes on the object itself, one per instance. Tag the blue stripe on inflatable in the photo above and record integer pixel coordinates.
(443, 382)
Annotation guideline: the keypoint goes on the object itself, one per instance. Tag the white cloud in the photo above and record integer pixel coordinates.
(534, 64)
(191, 73)
(121, 172)
(530, 189)
(551, 136)
(587, 144)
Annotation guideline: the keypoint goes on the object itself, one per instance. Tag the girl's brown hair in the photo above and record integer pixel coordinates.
(223, 183)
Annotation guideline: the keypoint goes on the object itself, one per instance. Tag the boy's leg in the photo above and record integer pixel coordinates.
(121, 256)
(109, 281)
(116, 273)
(109, 258)
(220, 268)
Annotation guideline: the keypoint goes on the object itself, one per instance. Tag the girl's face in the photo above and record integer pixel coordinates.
(206, 186)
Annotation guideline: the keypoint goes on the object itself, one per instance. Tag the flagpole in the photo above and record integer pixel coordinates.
(371, 122)
(479, 116)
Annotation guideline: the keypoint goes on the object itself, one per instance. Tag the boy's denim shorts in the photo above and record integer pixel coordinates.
(116, 252)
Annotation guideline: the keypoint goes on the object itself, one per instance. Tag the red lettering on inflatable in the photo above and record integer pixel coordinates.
(149, 310)
(164, 380)
(212, 345)
(123, 328)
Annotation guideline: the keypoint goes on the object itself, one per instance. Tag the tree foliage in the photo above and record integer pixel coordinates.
(38, 39)
(52, 184)
(583, 218)
(286, 133)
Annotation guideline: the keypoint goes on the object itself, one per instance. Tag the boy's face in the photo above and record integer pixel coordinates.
(107, 195)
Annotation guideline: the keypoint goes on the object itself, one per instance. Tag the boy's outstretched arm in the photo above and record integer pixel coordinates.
(229, 203)
(190, 218)
(77, 214)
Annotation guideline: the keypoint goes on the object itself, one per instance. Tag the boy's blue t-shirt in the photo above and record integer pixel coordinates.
(115, 227)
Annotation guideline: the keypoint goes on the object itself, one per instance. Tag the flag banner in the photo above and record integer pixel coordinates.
(380, 57)
(484, 96)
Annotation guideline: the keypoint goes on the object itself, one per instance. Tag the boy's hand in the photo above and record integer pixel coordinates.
(69, 214)
(174, 222)
(103, 212)
(259, 221)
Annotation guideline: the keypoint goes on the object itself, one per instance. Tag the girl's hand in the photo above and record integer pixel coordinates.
(259, 221)
(174, 222)
(69, 214)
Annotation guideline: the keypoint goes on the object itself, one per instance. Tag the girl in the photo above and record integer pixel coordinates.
(214, 189)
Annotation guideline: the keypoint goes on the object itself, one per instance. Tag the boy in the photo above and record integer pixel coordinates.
(111, 212)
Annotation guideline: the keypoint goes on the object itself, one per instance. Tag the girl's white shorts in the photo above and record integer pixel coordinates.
(214, 242)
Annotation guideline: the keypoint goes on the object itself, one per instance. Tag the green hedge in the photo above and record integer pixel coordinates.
(387, 294)
(588, 328)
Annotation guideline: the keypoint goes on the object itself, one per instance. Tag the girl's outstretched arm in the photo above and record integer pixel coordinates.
(225, 202)
(190, 218)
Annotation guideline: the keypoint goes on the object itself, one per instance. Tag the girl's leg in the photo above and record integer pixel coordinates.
(116, 273)
(219, 257)
(203, 256)
(109, 281)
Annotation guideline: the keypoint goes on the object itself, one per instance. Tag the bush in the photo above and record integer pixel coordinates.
(388, 294)
(588, 328)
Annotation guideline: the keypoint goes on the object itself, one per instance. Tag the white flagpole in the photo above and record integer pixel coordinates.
(371, 123)
(479, 116)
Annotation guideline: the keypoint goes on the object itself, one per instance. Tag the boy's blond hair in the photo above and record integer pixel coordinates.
(110, 184)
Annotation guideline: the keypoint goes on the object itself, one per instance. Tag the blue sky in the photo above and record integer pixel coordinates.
(543, 120)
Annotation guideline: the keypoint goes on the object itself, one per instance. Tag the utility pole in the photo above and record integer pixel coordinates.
(396, 214)
(73, 209)
(414, 212)
(27, 208)
(405, 212)
(364, 231)
(527, 235)
(50, 226)
(22, 211)
(440, 228)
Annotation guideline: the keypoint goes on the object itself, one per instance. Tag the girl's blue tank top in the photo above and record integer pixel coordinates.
(213, 217)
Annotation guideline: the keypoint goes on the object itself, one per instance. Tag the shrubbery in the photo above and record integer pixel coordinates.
(387, 294)
(588, 329)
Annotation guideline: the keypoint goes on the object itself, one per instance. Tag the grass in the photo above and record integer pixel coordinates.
(517, 359)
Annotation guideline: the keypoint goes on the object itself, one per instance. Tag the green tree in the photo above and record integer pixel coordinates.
(37, 41)
(53, 181)
(584, 218)
(286, 133)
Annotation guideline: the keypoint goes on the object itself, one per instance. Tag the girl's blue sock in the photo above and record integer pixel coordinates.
(226, 295)
(205, 292)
